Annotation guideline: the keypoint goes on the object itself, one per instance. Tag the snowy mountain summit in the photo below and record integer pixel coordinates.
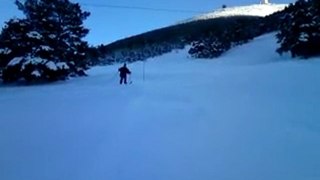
(249, 10)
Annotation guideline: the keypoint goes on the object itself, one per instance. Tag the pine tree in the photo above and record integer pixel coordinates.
(51, 41)
(300, 30)
(12, 38)
(207, 48)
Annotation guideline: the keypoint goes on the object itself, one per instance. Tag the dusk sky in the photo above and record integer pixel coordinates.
(116, 19)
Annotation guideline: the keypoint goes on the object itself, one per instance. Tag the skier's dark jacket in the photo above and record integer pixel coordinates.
(124, 71)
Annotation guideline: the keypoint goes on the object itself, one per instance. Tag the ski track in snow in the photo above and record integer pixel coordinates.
(248, 115)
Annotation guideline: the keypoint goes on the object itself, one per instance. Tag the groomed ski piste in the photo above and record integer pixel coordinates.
(248, 115)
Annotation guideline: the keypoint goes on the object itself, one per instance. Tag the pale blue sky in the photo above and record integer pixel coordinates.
(108, 24)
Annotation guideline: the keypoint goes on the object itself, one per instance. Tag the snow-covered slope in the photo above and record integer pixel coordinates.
(249, 10)
(249, 115)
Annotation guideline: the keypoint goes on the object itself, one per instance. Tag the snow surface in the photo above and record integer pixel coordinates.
(15, 61)
(46, 48)
(250, 10)
(62, 65)
(34, 35)
(249, 115)
(51, 65)
(33, 61)
(36, 73)
(5, 51)
(52, 36)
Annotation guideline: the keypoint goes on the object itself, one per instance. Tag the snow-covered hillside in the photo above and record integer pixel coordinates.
(249, 115)
(249, 10)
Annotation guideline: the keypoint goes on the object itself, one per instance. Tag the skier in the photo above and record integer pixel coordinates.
(123, 73)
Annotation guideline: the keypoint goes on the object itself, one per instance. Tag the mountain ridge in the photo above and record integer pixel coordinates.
(247, 10)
